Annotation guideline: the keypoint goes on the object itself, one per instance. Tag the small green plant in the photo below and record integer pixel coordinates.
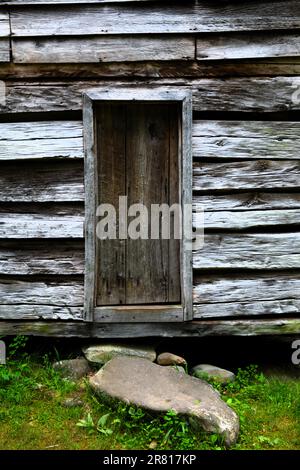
(87, 423)
(17, 346)
(246, 378)
(177, 430)
(270, 442)
(102, 425)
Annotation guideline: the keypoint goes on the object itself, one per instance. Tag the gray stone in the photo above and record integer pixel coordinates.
(72, 402)
(207, 371)
(169, 359)
(73, 369)
(159, 389)
(102, 353)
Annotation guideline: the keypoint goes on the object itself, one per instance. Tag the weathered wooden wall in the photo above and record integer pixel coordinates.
(242, 61)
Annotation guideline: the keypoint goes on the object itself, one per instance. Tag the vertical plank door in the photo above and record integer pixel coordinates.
(137, 150)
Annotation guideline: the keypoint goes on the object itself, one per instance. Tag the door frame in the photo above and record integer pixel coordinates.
(136, 313)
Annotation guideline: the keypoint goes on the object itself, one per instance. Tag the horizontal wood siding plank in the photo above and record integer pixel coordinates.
(282, 308)
(253, 327)
(157, 18)
(102, 49)
(232, 94)
(36, 140)
(219, 289)
(41, 181)
(246, 140)
(4, 24)
(41, 258)
(259, 174)
(153, 69)
(280, 130)
(41, 130)
(43, 293)
(241, 220)
(248, 46)
(40, 312)
(40, 300)
(257, 251)
(40, 224)
(246, 201)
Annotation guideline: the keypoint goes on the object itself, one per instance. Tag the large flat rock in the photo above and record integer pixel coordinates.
(139, 382)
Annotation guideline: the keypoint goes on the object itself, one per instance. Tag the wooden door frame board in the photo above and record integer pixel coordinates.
(136, 313)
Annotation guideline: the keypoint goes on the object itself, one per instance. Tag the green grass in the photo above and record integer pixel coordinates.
(33, 415)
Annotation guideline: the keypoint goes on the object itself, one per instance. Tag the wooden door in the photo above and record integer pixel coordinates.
(138, 157)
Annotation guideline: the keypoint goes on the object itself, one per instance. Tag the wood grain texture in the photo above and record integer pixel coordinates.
(242, 220)
(248, 46)
(243, 309)
(213, 297)
(102, 49)
(245, 295)
(157, 18)
(90, 182)
(246, 139)
(147, 179)
(153, 69)
(230, 94)
(41, 181)
(40, 223)
(111, 176)
(44, 139)
(255, 251)
(139, 314)
(215, 139)
(4, 24)
(246, 201)
(41, 258)
(40, 300)
(259, 174)
(223, 251)
(254, 327)
(245, 287)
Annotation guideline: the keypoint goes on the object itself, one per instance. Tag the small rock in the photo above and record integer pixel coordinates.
(160, 389)
(169, 359)
(73, 369)
(153, 445)
(207, 371)
(103, 353)
(72, 402)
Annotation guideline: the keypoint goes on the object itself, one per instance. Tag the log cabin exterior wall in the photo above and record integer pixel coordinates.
(242, 63)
